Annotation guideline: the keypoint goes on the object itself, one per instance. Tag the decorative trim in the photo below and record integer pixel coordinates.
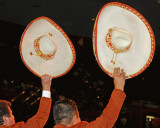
(39, 52)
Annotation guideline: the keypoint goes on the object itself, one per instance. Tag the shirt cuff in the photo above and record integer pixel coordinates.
(46, 94)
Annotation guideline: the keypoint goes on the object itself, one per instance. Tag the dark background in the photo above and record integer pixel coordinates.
(86, 83)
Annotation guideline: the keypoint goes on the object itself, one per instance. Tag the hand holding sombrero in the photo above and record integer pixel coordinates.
(46, 49)
(122, 37)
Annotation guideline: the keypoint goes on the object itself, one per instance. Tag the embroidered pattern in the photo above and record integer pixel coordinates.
(39, 52)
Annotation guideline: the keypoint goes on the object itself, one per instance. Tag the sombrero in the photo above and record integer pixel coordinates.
(123, 38)
(46, 49)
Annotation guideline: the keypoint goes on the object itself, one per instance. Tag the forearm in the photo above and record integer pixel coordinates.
(111, 112)
(42, 115)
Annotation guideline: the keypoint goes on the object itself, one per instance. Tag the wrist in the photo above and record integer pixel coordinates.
(46, 94)
(46, 88)
(120, 88)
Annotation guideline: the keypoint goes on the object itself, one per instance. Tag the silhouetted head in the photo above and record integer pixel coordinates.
(6, 116)
(65, 112)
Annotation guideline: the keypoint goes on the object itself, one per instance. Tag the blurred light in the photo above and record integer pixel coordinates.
(100, 82)
(98, 97)
(75, 73)
(81, 41)
(18, 96)
(123, 121)
(86, 81)
(31, 95)
(149, 118)
(90, 87)
(93, 19)
(35, 101)
(158, 1)
(101, 104)
(5, 81)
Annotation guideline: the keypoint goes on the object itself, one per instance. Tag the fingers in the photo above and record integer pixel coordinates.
(123, 73)
(118, 72)
(46, 81)
(119, 78)
(46, 76)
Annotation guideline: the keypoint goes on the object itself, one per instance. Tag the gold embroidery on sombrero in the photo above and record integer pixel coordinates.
(111, 45)
(39, 52)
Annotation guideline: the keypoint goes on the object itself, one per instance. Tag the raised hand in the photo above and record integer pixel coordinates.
(46, 81)
(119, 78)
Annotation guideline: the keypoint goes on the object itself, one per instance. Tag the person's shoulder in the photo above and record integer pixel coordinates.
(16, 125)
(81, 124)
(84, 122)
(3, 126)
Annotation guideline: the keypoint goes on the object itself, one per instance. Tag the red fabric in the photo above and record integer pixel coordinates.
(109, 116)
(156, 122)
(37, 121)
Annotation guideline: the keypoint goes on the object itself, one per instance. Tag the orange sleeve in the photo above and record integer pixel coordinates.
(41, 117)
(37, 121)
(110, 114)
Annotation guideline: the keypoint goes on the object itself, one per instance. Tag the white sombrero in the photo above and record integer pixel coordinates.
(123, 38)
(46, 49)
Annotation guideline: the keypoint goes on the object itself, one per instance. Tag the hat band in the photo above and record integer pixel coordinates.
(39, 51)
(111, 45)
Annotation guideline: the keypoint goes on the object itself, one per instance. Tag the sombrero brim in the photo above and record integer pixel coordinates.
(64, 58)
(140, 54)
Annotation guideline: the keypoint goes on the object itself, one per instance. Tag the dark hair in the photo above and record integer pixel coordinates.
(4, 110)
(64, 110)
